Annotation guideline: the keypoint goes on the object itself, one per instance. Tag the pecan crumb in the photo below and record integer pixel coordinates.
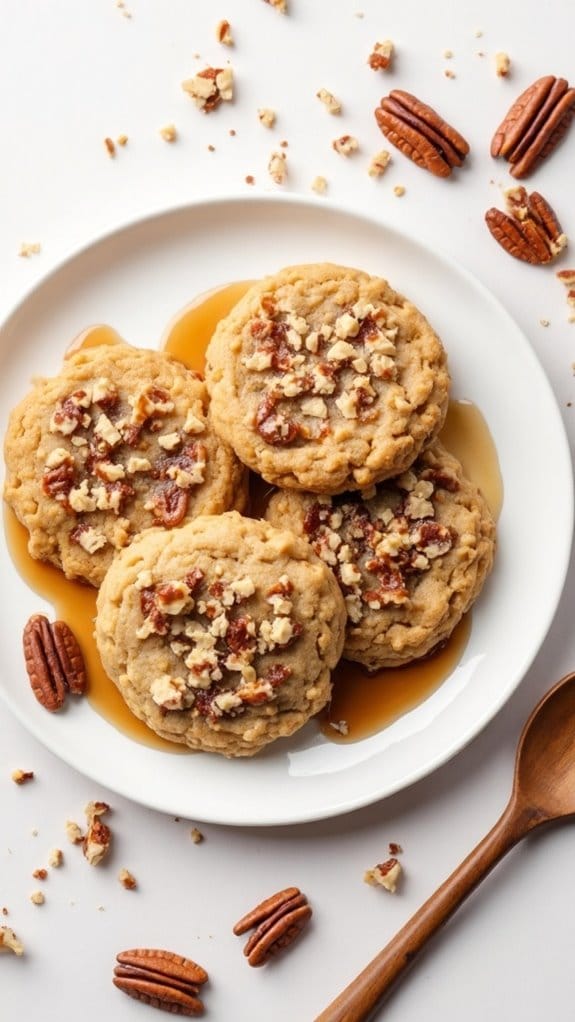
(40, 874)
(449, 73)
(341, 726)
(211, 148)
(56, 858)
(74, 833)
(544, 322)
(332, 105)
(384, 874)
(110, 146)
(250, 179)
(280, 5)
(394, 848)
(5, 911)
(29, 248)
(448, 54)
(345, 145)
(9, 941)
(196, 836)
(169, 133)
(210, 87)
(224, 33)
(379, 163)
(37, 898)
(122, 140)
(127, 879)
(22, 776)
(381, 56)
(267, 117)
(399, 190)
(319, 185)
(98, 837)
(277, 168)
(502, 65)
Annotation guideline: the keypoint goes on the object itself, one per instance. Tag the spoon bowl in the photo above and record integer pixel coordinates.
(543, 790)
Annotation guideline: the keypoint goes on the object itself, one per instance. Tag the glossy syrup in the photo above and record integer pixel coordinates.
(366, 702)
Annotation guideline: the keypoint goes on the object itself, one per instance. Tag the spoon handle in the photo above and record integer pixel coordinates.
(358, 1000)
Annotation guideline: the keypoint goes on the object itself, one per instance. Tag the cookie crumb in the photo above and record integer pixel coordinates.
(22, 776)
(29, 248)
(319, 185)
(267, 117)
(379, 163)
(196, 836)
(110, 146)
(127, 880)
(37, 898)
(224, 33)
(384, 874)
(502, 65)
(345, 145)
(277, 168)
(169, 133)
(9, 941)
(332, 105)
(34, 832)
(399, 190)
(56, 858)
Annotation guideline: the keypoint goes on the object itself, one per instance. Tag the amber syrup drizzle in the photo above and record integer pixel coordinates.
(366, 702)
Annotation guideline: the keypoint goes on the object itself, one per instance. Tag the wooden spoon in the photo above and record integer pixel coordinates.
(543, 790)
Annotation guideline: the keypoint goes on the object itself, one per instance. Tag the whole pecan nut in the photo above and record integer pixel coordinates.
(535, 124)
(530, 230)
(161, 979)
(279, 920)
(420, 133)
(54, 661)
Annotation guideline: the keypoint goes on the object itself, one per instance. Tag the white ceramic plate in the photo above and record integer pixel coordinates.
(137, 279)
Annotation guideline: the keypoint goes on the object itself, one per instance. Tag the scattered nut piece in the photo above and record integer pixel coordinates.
(341, 726)
(280, 5)
(29, 248)
(169, 133)
(478, 33)
(224, 33)
(332, 105)
(544, 322)
(9, 941)
(567, 277)
(381, 56)
(122, 140)
(448, 54)
(345, 145)
(40, 874)
(379, 163)
(162, 979)
(98, 837)
(22, 776)
(502, 65)
(449, 73)
(210, 87)
(279, 920)
(267, 117)
(394, 848)
(37, 898)
(56, 857)
(109, 143)
(319, 185)
(277, 168)
(250, 179)
(399, 190)
(5, 911)
(73, 832)
(127, 880)
(529, 230)
(384, 874)
(196, 835)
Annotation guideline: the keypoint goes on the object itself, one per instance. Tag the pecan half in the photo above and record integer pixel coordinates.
(279, 920)
(420, 133)
(161, 979)
(535, 124)
(530, 230)
(54, 661)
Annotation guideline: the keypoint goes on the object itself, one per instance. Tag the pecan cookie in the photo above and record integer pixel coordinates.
(118, 442)
(411, 556)
(222, 634)
(323, 378)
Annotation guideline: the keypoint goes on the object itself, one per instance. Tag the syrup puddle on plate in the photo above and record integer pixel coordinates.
(367, 702)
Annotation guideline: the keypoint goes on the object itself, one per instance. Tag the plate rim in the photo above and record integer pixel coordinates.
(321, 206)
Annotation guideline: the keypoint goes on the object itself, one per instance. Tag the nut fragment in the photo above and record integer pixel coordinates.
(279, 920)
(534, 125)
(22, 776)
(277, 168)
(332, 105)
(210, 87)
(161, 979)
(9, 941)
(384, 874)
(37, 898)
(381, 56)
(530, 231)
(319, 185)
(567, 277)
(224, 33)
(127, 880)
(29, 248)
(379, 163)
(56, 858)
(196, 835)
(53, 661)
(420, 133)
(98, 837)
(169, 133)
(502, 65)
(345, 145)
(280, 5)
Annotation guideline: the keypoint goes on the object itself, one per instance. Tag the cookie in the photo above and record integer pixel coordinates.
(411, 556)
(222, 634)
(118, 442)
(324, 378)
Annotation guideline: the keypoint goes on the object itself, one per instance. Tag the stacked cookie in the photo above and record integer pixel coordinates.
(220, 630)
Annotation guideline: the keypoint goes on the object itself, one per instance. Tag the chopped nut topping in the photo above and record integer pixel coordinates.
(210, 87)
(277, 168)
(22, 776)
(502, 65)
(381, 56)
(267, 117)
(169, 133)
(332, 105)
(56, 857)
(319, 185)
(385, 874)
(379, 163)
(196, 836)
(29, 248)
(127, 880)
(37, 898)
(224, 33)
(345, 145)
(9, 941)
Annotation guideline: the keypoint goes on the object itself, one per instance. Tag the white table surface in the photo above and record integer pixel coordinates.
(71, 74)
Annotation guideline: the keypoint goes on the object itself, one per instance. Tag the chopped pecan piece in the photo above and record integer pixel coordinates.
(54, 661)
(530, 231)
(535, 124)
(161, 979)
(420, 133)
(279, 920)
(210, 87)
(9, 941)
